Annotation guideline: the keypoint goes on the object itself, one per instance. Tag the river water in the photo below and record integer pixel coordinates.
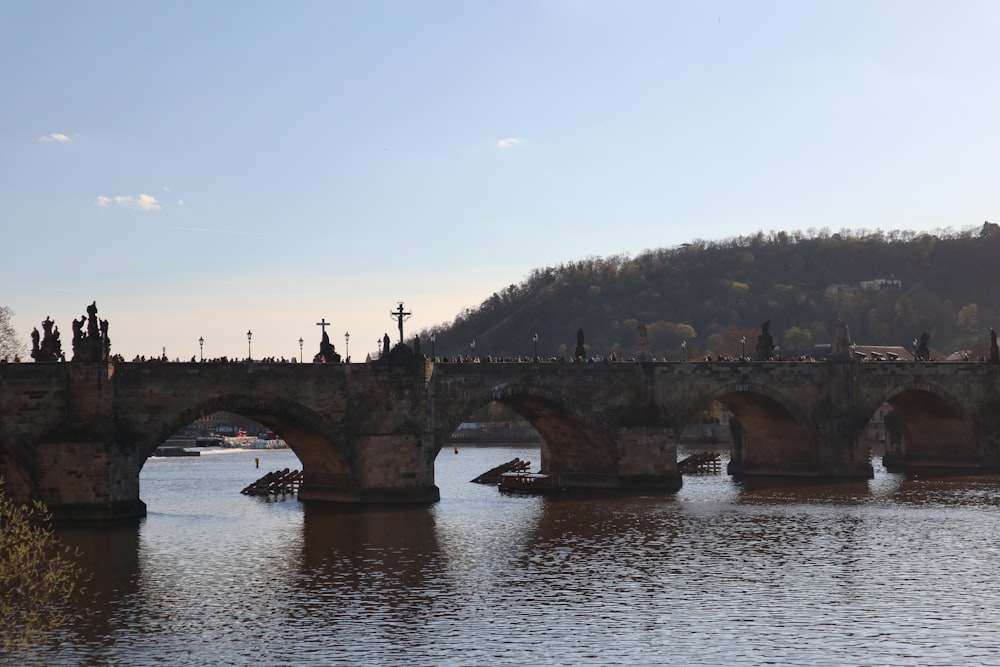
(897, 570)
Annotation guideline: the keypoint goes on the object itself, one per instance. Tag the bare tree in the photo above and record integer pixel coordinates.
(10, 345)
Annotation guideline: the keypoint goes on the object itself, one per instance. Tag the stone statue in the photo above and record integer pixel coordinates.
(106, 349)
(994, 351)
(94, 344)
(78, 336)
(923, 351)
(92, 330)
(580, 352)
(327, 353)
(57, 350)
(765, 344)
(841, 343)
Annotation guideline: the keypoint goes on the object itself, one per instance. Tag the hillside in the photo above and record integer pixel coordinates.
(889, 287)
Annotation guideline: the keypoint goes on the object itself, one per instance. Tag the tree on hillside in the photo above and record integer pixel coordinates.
(801, 282)
(10, 345)
(796, 338)
(39, 578)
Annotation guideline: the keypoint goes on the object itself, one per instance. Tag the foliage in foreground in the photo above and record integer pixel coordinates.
(39, 578)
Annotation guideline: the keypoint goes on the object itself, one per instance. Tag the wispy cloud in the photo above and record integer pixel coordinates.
(143, 202)
(508, 142)
(55, 138)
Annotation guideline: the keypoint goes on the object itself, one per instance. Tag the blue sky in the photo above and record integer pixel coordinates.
(201, 169)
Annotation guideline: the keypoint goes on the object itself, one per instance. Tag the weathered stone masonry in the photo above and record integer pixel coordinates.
(75, 435)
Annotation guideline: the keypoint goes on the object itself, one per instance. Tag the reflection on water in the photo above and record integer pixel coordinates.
(892, 571)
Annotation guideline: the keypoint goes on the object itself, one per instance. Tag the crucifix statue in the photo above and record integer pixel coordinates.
(399, 316)
(323, 324)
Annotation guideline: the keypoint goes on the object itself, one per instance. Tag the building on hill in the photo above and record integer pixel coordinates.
(881, 283)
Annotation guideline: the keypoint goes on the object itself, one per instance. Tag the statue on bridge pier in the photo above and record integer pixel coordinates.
(94, 345)
(765, 344)
(923, 349)
(46, 346)
(841, 343)
(327, 353)
(994, 350)
(580, 352)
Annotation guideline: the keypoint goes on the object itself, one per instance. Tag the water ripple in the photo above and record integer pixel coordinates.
(897, 571)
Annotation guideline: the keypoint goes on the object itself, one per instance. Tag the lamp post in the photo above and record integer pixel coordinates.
(300, 349)
(201, 346)
(914, 350)
(433, 356)
(249, 336)
(347, 347)
(473, 346)
(743, 340)
(534, 339)
(684, 345)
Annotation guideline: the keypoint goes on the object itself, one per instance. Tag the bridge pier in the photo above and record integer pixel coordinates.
(646, 460)
(327, 490)
(387, 468)
(87, 480)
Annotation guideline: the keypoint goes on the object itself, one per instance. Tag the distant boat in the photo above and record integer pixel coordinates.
(174, 451)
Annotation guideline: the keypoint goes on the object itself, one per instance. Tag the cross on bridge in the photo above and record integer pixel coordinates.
(323, 324)
(399, 315)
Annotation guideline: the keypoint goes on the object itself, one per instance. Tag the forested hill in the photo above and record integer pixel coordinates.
(889, 287)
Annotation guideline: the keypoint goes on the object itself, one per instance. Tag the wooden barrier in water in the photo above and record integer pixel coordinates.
(492, 476)
(279, 482)
(701, 462)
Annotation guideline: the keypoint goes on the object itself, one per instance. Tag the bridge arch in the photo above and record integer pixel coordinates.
(570, 436)
(926, 423)
(766, 427)
(308, 434)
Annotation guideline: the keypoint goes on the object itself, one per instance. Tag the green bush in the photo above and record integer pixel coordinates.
(40, 581)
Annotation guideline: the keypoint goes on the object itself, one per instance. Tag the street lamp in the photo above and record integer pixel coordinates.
(914, 350)
(684, 345)
(433, 356)
(347, 347)
(473, 346)
(300, 350)
(201, 344)
(249, 336)
(534, 339)
(743, 340)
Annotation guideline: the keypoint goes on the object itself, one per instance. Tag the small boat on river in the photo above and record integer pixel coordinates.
(174, 451)
(529, 482)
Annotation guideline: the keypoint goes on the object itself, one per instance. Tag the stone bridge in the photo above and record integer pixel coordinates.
(76, 435)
